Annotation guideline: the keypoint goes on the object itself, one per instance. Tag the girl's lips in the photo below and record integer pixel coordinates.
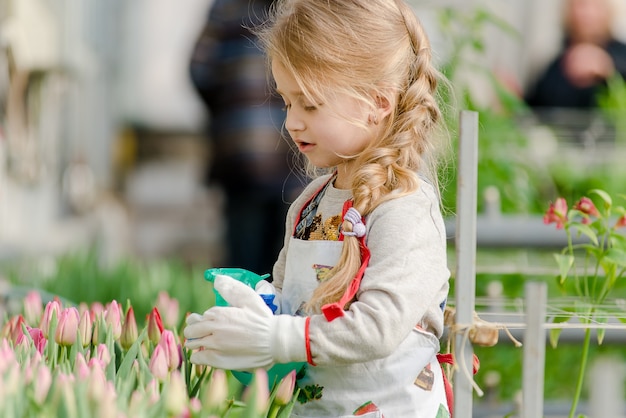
(304, 146)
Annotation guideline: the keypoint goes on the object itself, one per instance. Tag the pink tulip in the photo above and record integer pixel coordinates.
(176, 396)
(39, 340)
(284, 392)
(97, 310)
(33, 308)
(557, 213)
(68, 326)
(129, 330)
(113, 319)
(42, 384)
(13, 328)
(7, 356)
(158, 364)
(216, 391)
(170, 309)
(168, 343)
(103, 354)
(85, 327)
(96, 381)
(260, 390)
(53, 309)
(81, 369)
(155, 326)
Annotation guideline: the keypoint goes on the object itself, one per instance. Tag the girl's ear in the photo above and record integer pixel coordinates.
(383, 106)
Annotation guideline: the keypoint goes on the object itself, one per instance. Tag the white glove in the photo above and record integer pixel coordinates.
(245, 335)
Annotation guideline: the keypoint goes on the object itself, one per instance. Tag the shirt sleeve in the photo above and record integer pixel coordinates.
(404, 285)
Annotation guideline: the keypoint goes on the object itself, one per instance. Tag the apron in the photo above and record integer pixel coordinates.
(408, 383)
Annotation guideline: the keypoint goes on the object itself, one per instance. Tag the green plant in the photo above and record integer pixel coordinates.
(62, 361)
(590, 269)
(503, 157)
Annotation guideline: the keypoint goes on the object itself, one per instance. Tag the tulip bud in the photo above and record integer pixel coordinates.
(113, 319)
(155, 326)
(85, 327)
(176, 395)
(103, 354)
(284, 392)
(68, 326)
(81, 369)
(621, 222)
(53, 309)
(216, 391)
(168, 343)
(129, 330)
(257, 395)
(42, 384)
(158, 364)
(169, 307)
(33, 308)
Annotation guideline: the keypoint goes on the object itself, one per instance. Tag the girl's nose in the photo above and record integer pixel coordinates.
(293, 123)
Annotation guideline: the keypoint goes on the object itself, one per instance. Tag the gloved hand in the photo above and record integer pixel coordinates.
(245, 335)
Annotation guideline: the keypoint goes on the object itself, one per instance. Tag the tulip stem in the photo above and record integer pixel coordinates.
(273, 411)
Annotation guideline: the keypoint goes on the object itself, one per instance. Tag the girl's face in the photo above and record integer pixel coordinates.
(321, 134)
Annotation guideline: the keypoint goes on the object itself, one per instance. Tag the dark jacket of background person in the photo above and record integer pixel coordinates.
(589, 56)
(554, 89)
(249, 158)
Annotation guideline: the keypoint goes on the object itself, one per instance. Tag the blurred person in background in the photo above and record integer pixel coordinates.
(589, 56)
(249, 159)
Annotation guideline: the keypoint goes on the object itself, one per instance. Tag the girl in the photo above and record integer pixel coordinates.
(363, 274)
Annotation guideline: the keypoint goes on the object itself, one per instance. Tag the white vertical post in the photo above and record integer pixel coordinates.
(465, 246)
(534, 350)
(607, 388)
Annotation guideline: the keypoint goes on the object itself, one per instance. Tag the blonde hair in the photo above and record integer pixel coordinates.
(367, 49)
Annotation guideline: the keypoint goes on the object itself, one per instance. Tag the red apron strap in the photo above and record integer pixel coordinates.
(335, 310)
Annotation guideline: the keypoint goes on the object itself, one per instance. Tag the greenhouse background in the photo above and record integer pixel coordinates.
(102, 152)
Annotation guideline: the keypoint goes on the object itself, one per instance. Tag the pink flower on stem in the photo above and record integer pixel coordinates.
(170, 309)
(216, 391)
(42, 384)
(586, 206)
(155, 326)
(113, 319)
(103, 354)
(33, 308)
(621, 222)
(557, 213)
(284, 392)
(67, 327)
(170, 348)
(158, 364)
(13, 328)
(96, 310)
(53, 309)
(85, 327)
(39, 340)
(81, 369)
(129, 329)
(258, 393)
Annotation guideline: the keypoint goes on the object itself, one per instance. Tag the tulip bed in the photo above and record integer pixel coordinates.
(59, 359)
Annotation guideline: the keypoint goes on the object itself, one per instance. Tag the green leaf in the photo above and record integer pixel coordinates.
(555, 333)
(125, 369)
(565, 263)
(608, 202)
(601, 317)
(616, 256)
(587, 231)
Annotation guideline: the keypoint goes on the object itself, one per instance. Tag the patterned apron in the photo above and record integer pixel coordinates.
(408, 383)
